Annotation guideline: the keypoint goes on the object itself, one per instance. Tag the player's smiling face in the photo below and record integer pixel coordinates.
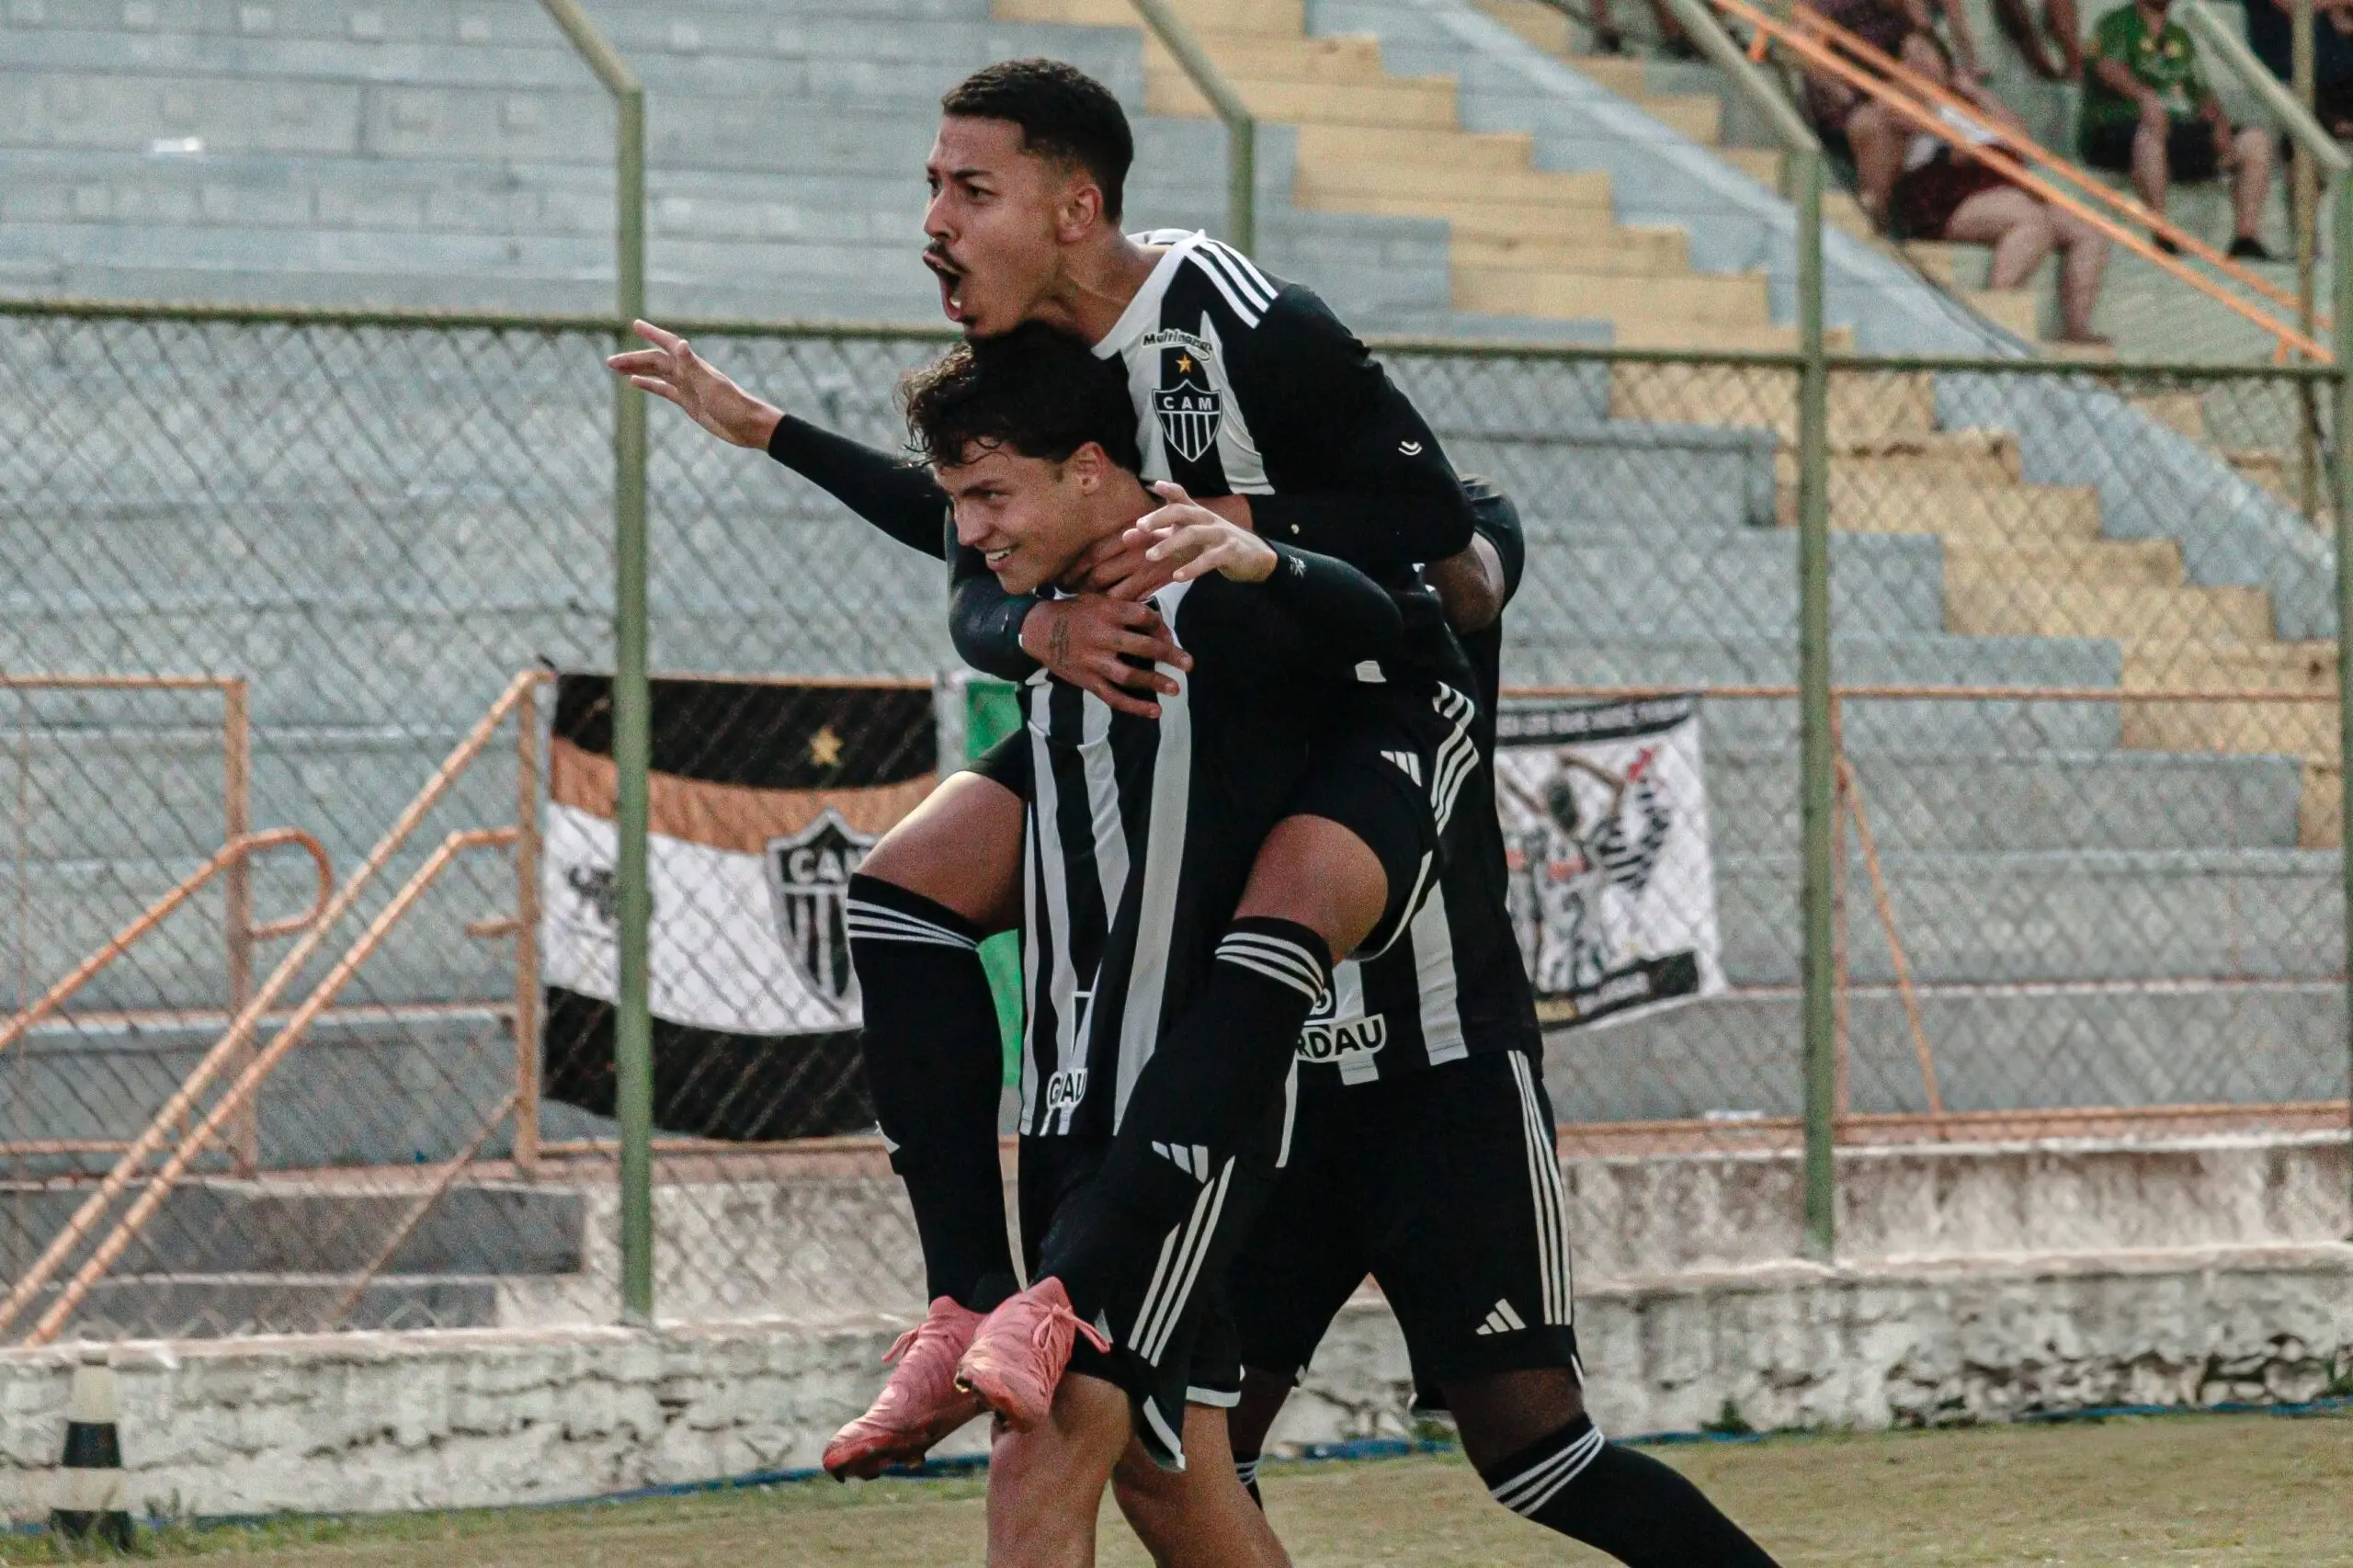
(1031, 517)
(998, 218)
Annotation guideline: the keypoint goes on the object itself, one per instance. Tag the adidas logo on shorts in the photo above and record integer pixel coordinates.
(1503, 1320)
(1193, 1159)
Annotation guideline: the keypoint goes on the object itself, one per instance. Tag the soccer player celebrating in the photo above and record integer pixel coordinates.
(1250, 394)
(1140, 834)
(1434, 1170)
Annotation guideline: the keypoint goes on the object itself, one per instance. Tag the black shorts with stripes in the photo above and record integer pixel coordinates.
(1390, 768)
(1173, 1339)
(1444, 1186)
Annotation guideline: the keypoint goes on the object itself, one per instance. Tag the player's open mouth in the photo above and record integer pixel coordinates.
(951, 284)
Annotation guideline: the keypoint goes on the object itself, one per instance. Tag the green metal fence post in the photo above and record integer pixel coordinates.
(1817, 751)
(632, 703)
(1241, 126)
(2342, 211)
(1817, 758)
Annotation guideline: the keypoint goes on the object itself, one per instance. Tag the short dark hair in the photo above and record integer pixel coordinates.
(1064, 114)
(1035, 392)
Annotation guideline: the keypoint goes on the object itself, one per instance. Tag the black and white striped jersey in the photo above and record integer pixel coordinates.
(1453, 985)
(1245, 384)
(1142, 833)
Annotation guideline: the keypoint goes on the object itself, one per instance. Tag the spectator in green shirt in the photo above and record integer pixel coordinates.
(2148, 112)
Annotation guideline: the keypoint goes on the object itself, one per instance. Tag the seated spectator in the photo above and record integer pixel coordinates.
(2035, 37)
(2271, 33)
(1945, 194)
(1851, 123)
(2147, 112)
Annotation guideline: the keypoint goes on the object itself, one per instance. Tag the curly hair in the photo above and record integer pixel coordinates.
(1035, 392)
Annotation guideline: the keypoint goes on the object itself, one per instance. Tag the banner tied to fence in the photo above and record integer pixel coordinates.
(1605, 818)
(764, 796)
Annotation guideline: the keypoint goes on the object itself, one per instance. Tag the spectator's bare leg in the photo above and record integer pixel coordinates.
(2250, 179)
(2151, 173)
(2065, 25)
(2083, 252)
(2014, 223)
(1878, 142)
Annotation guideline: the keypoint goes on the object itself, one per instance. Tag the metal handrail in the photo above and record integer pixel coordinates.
(1240, 125)
(1827, 46)
(235, 1043)
(239, 848)
(238, 1096)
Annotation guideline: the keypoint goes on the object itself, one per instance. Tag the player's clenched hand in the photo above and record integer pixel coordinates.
(1106, 646)
(672, 369)
(1193, 541)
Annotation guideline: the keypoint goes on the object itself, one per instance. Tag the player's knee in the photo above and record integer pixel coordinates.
(1318, 873)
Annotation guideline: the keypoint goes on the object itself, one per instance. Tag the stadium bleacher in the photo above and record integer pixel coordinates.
(1430, 171)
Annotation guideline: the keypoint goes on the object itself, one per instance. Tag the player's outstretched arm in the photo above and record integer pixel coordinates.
(899, 498)
(672, 369)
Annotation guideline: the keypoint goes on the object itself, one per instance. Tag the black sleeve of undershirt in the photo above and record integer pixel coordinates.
(1318, 614)
(899, 498)
(1496, 520)
(1357, 473)
(984, 620)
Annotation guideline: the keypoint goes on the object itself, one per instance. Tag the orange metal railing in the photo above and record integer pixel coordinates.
(235, 1053)
(1817, 44)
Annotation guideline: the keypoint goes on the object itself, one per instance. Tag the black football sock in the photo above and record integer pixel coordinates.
(1245, 1467)
(1618, 1500)
(1209, 1101)
(934, 1064)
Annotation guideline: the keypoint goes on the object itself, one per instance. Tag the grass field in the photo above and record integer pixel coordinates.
(2253, 1490)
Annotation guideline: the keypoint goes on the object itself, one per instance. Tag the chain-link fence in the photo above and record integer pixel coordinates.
(2086, 728)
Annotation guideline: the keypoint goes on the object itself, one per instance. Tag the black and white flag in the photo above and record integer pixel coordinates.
(1605, 818)
(763, 797)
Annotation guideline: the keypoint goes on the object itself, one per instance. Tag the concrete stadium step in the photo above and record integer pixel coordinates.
(1713, 300)
(1492, 153)
(265, 191)
(1996, 1048)
(1466, 211)
(1734, 584)
(825, 60)
(1585, 654)
(1272, 19)
(206, 1306)
(1978, 802)
(429, 958)
(1701, 478)
(328, 1225)
(2291, 729)
(2090, 610)
(2188, 914)
(2216, 666)
(436, 21)
(2137, 564)
(1639, 253)
(439, 669)
(1941, 457)
(1867, 501)
(101, 791)
(1862, 408)
(1428, 103)
(1329, 180)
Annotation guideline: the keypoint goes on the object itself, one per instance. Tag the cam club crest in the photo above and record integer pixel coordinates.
(1188, 414)
(809, 878)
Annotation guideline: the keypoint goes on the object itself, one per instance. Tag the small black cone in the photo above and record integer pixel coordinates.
(92, 1497)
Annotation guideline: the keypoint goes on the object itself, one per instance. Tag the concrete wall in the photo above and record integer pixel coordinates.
(372, 1422)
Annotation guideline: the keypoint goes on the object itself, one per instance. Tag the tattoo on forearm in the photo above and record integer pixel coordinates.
(1058, 644)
